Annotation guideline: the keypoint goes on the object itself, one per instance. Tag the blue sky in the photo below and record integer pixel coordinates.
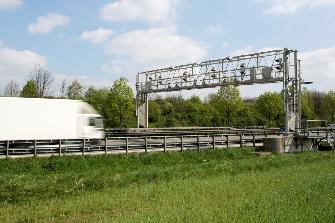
(99, 41)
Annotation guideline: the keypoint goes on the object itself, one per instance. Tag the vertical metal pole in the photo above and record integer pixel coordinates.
(106, 146)
(35, 148)
(181, 143)
(146, 144)
(83, 151)
(138, 100)
(127, 145)
(164, 144)
(7, 149)
(227, 141)
(299, 95)
(146, 111)
(213, 140)
(60, 147)
(198, 142)
(296, 93)
(241, 140)
(285, 90)
(138, 109)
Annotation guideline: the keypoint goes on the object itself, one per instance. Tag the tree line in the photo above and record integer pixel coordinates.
(224, 108)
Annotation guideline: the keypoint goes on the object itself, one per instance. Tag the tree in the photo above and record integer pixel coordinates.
(75, 90)
(270, 105)
(98, 99)
(328, 105)
(12, 89)
(155, 115)
(121, 105)
(227, 103)
(307, 105)
(62, 89)
(29, 90)
(43, 80)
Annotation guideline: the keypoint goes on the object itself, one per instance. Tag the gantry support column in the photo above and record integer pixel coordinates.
(292, 91)
(142, 110)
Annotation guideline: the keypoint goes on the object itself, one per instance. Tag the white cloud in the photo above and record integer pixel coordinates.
(10, 4)
(319, 66)
(243, 51)
(97, 36)
(15, 64)
(45, 24)
(214, 29)
(291, 6)
(152, 48)
(147, 10)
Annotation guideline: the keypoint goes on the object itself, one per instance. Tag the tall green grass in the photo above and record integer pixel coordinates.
(211, 186)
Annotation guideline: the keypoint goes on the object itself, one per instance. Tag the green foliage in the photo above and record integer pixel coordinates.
(98, 98)
(248, 116)
(29, 90)
(210, 186)
(75, 90)
(226, 104)
(121, 105)
(307, 105)
(270, 105)
(328, 106)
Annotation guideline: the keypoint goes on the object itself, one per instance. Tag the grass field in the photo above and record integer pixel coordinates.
(211, 186)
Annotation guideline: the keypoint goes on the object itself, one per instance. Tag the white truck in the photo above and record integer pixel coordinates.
(48, 119)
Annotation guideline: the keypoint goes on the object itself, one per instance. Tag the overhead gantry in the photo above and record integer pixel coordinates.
(274, 66)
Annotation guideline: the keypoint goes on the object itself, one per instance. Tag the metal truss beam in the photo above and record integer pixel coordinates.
(258, 68)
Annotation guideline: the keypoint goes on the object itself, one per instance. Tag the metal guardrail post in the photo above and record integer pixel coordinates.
(213, 140)
(7, 149)
(60, 148)
(83, 154)
(198, 143)
(35, 148)
(254, 140)
(146, 144)
(127, 145)
(164, 144)
(241, 140)
(106, 146)
(227, 141)
(181, 143)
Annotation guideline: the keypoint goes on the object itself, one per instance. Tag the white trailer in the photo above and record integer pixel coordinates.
(46, 119)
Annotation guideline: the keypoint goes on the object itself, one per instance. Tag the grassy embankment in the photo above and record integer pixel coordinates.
(210, 186)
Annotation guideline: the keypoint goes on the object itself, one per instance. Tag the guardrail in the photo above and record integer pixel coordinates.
(127, 144)
(189, 131)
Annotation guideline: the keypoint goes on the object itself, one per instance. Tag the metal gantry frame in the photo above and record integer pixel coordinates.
(272, 66)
